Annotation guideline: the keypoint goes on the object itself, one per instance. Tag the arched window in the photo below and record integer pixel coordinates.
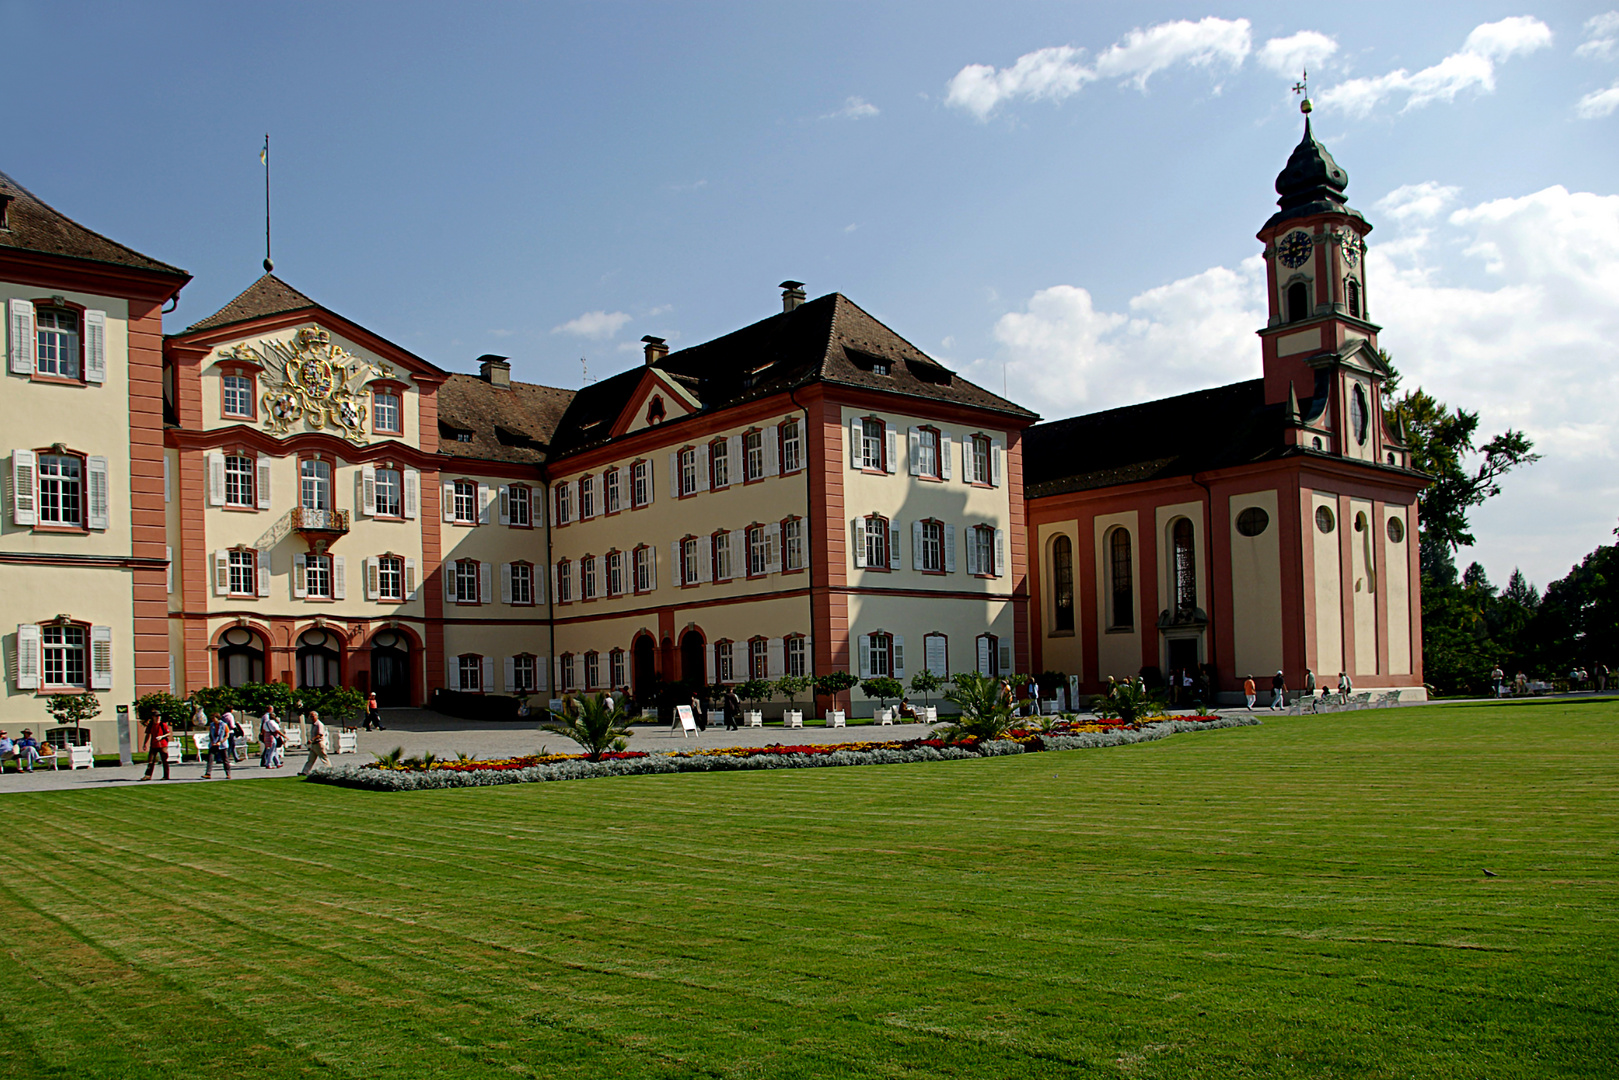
(1062, 577)
(1352, 291)
(1298, 301)
(1185, 564)
(1122, 613)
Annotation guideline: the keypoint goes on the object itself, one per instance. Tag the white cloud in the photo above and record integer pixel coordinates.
(1598, 103)
(1417, 202)
(1291, 55)
(1510, 307)
(596, 325)
(1602, 37)
(1472, 68)
(854, 108)
(1058, 72)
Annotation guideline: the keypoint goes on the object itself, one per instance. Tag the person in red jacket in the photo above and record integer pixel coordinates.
(157, 745)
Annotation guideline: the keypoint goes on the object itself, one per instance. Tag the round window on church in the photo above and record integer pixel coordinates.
(1252, 521)
(1324, 519)
(1396, 530)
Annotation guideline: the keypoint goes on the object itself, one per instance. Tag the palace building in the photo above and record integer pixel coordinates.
(276, 493)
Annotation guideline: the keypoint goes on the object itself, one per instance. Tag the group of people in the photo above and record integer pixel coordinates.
(1278, 688)
(228, 739)
(25, 751)
(1578, 679)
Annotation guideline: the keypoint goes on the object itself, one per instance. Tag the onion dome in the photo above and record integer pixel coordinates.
(1312, 183)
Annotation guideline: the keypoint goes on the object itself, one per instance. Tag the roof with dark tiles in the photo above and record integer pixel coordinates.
(830, 339)
(514, 423)
(269, 295)
(32, 225)
(1191, 433)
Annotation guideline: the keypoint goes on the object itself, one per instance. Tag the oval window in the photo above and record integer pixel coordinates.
(238, 636)
(1252, 521)
(1396, 530)
(1324, 519)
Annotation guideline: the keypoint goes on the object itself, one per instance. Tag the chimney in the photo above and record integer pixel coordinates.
(792, 294)
(494, 370)
(656, 349)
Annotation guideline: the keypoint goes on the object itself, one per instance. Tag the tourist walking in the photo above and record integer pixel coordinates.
(271, 740)
(733, 710)
(1278, 692)
(317, 744)
(238, 736)
(1602, 678)
(218, 747)
(157, 745)
(1498, 679)
(1249, 692)
(1309, 682)
(1346, 685)
(373, 713)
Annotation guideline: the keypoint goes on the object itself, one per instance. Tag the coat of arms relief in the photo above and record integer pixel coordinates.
(313, 381)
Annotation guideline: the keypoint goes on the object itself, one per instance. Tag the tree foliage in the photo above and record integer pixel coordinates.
(591, 724)
(73, 710)
(882, 688)
(985, 712)
(927, 684)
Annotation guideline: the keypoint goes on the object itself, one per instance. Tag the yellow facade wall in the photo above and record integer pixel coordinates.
(1256, 574)
(1363, 574)
(1118, 651)
(1062, 650)
(1328, 655)
(1397, 582)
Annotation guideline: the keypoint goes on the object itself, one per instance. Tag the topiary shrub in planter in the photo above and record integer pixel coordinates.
(834, 683)
(882, 688)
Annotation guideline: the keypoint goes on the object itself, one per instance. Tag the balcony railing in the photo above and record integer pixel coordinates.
(320, 521)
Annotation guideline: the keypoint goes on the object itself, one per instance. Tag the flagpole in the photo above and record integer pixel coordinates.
(268, 265)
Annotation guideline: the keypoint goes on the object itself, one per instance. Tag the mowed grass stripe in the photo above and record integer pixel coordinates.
(1293, 900)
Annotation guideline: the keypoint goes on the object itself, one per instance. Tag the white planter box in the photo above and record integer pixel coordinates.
(716, 718)
(792, 718)
(835, 719)
(753, 718)
(884, 716)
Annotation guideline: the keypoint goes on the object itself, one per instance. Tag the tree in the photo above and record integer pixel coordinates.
(1577, 621)
(790, 686)
(882, 688)
(926, 683)
(589, 722)
(73, 710)
(755, 690)
(834, 683)
(985, 713)
(160, 703)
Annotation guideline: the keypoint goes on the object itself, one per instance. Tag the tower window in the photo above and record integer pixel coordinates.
(1352, 290)
(1298, 301)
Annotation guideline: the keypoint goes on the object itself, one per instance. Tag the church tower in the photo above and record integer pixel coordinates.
(1320, 345)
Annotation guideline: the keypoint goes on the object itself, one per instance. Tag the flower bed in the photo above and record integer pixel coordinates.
(539, 769)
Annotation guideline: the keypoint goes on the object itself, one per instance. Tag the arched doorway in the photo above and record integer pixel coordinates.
(320, 654)
(644, 667)
(692, 668)
(241, 657)
(390, 668)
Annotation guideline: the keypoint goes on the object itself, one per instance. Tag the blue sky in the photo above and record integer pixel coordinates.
(550, 182)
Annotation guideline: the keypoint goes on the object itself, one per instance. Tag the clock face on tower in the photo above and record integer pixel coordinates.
(1295, 249)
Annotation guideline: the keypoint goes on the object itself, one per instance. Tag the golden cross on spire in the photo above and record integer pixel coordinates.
(1303, 87)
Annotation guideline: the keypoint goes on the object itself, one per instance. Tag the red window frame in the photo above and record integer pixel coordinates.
(680, 471)
(563, 566)
(635, 578)
(888, 544)
(403, 595)
(762, 476)
(937, 475)
(584, 599)
(565, 676)
(634, 505)
(530, 602)
(803, 539)
(714, 555)
(593, 663)
(696, 576)
(944, 557)
(730, 466)
(781, 446)
(936, 634)
(477, 582)
(579, 485)
(252, 571)
(78, 310)
(397, 389)
(240, 371)
(989, 460)
(40, 526)
(882, 447)
(511, 488)
(762, 669)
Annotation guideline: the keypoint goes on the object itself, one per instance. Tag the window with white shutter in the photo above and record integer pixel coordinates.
(28, 645)
(263, 491)
(20, 349)
(101, 658)
(24, 486)
(95, 346)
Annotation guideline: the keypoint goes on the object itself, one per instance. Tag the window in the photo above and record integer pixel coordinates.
(243, 573)
(520, 506)
(1396, 530)
(981, 557)
(930, 552)
(315, 484)
(587, 497)
(385, 415)
(1352, 291)
(792, 457)
(391, 578)
(989, 654)
(1252, 521)
(524, 674)
(564, 588)
(522, 583)
(615, 573)
(390, 493)
(879, 655)
(1062, 578)
(1123, 579)
(1298, 301)
(464, 503)
(237, 392)
(724, 662)
(797, 661)
(936, 654)
(978, 471)
(466, 581)
(565, 662)
(62, 655)
(593, 665)
(753, 455)
(470, 667)
(643, 569)
(615, 669)
(722, 556)
(690, 572)
(877, 542)
(1324, 519)
(719, 463)
(927, 453)
(61, 490)
(687, 462)
(318, 577)
(610, 485)
(758, 540)
(641, 484)
(873, 440)
(792, 543)
(1185, 564)
(1359, 414)
(587, 578)
(759, 658)
(57, 333)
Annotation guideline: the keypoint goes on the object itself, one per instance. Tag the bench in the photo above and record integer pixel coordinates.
(51, 759)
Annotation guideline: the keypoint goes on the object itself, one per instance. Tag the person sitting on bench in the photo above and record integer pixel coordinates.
(907, 710)
(27, 750)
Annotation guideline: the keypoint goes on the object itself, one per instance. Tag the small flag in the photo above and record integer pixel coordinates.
(264, 156)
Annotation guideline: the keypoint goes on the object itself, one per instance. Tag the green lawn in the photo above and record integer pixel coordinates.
(1302, 899)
